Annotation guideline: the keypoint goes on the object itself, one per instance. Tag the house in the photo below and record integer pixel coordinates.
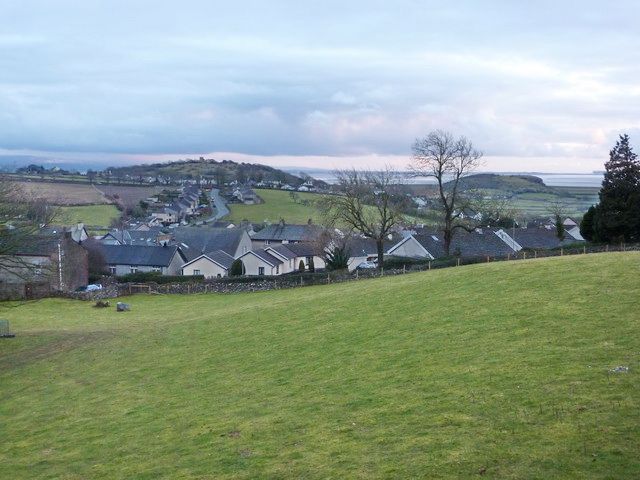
(246, 195)
(126, 259)
(425, 243)
(362, 249)
(212, 265)
(293, 253)
(44, 264)
(260, 262)
(284, 233)
(196, 241)
(152, 236)
(539, 238)
(78, 232)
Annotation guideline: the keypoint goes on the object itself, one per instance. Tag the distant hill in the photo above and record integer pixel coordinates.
(224, 171)
(505, 183)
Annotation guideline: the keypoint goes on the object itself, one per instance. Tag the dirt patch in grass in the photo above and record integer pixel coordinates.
(46, 343)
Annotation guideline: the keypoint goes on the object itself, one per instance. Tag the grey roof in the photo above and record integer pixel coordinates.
(139, 255)
(301, 249)
(137, 237)
(539, 238)
(221, 258)
(361, 247)
(293, 233)
(466, 244)
(204, 240)
(266, 256)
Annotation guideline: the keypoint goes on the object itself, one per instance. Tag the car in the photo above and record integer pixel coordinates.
(93, 287)
(369, 264)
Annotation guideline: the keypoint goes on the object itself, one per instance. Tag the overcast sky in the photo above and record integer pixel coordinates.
(543, 86)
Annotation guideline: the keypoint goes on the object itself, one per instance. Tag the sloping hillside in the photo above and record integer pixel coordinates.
(222, 171)
(495, 370)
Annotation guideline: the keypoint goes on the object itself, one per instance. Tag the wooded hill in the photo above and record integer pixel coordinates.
(220, 171)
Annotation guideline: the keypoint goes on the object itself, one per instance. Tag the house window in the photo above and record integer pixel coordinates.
(260, 270)
(133, 269)
(244, 249)
(112, 270)
(267, 242)
(156, 269)
(218, 276)
(196, 272)
(277, 269)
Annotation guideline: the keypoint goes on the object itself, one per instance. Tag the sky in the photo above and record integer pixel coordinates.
(537, 86)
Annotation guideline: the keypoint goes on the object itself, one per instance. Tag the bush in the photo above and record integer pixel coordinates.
(312, 267)
(237, 268)
(301, 267)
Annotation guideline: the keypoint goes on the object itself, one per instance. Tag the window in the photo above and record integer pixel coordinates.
(196, 272)
(267, 242)
(133, 269)
(156, 269)
(219, 276)
(244, 249)
(112, 270)
(260, 270)
(277, 269)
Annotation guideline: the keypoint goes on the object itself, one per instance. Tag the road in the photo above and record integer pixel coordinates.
(221, 207)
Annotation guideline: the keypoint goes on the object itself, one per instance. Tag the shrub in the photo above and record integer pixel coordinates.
(236, 269)
(301, 267)
(312, 267)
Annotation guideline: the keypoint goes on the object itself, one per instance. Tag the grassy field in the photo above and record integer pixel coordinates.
(499, 370)
(277, 204)
(93, 215)
(65, 193)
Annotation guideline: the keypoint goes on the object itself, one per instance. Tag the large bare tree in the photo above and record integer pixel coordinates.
(446, 159)
(367, 202)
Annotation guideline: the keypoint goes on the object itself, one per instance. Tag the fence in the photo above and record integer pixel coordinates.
(396, 266)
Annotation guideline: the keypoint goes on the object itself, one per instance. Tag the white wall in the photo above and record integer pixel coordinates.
(251, 264)
(410, 249)
(207, 268)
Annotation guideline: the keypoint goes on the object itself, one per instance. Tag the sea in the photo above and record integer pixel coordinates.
(551, 179)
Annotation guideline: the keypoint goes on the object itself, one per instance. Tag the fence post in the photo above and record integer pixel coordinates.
(429, 264)
(404, 269)
(524, 255)
(458, 262)
(606, 247)
(188, 288)
(584, 249)
(508, 256)
(356, 274)
(561, 252)
(328, 279)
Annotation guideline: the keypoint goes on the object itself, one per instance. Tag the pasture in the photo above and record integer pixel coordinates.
(277, 204)
(497, 370)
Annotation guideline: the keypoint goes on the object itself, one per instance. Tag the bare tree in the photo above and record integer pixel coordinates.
(21, 217)
(446, 159)
(368, 202)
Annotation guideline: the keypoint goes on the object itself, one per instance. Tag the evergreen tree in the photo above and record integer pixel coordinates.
(301, 267)
(236, 268)
(587, 227)
(616, 217)
(338, 258)
(312, 267)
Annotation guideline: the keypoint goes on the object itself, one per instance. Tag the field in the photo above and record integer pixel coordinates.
(277, 204)
(92, 215)
(129, 196)
(495, 370)
(65, 193)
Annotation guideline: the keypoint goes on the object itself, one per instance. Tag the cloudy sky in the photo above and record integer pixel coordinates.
(545, 86)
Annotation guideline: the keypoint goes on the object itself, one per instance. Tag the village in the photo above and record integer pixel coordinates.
(177, 240)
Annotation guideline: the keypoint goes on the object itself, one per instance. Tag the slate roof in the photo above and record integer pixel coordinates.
(467, 244)
(302, 249)
(266, 256)
(539, 238)
(221, 258)
(137, 237)
(204, 240)
(139, 255)
(363, 247)
(292, 233)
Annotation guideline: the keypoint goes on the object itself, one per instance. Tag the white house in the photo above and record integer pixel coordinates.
(261, 262)
(212, 265)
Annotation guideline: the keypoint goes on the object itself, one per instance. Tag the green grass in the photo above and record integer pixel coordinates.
(94, 215)
(497, 368)
(277, 204)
